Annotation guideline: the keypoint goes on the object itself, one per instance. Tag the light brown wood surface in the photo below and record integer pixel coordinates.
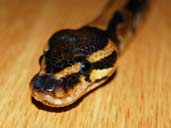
(138, 97)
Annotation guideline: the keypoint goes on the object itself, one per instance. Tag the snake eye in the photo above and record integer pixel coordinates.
(85, 67)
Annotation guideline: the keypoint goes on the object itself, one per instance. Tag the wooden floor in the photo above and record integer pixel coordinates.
(138, 97)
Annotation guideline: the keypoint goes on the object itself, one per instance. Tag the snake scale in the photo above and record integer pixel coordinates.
(76, 61)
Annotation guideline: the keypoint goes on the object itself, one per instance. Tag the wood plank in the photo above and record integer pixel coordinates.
(138, 97)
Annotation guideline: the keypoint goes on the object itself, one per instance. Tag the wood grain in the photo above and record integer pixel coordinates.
(139, 95)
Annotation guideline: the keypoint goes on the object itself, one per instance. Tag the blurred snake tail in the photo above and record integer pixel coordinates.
(76, 61)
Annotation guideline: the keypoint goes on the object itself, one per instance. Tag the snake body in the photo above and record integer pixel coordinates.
(78, 61)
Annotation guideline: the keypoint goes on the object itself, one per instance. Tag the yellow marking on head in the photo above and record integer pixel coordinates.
(71, 92)
(97, 74)
(106, 51)
(43, 67)
(59, 92)
(68, 71)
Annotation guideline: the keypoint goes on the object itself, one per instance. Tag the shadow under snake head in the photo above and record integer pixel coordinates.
(75, 62)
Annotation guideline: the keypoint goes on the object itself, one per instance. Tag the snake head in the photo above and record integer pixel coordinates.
(74, 63)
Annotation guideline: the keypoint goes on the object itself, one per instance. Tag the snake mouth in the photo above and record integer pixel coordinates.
(59, 97)
(50, 100)
(51, 92)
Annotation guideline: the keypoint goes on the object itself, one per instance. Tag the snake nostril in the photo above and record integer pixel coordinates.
(44, 83)
(37, 82)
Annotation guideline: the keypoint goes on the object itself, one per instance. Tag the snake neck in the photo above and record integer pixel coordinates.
(120, 20)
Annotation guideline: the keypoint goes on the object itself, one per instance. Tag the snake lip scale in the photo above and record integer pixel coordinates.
(76, 61)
